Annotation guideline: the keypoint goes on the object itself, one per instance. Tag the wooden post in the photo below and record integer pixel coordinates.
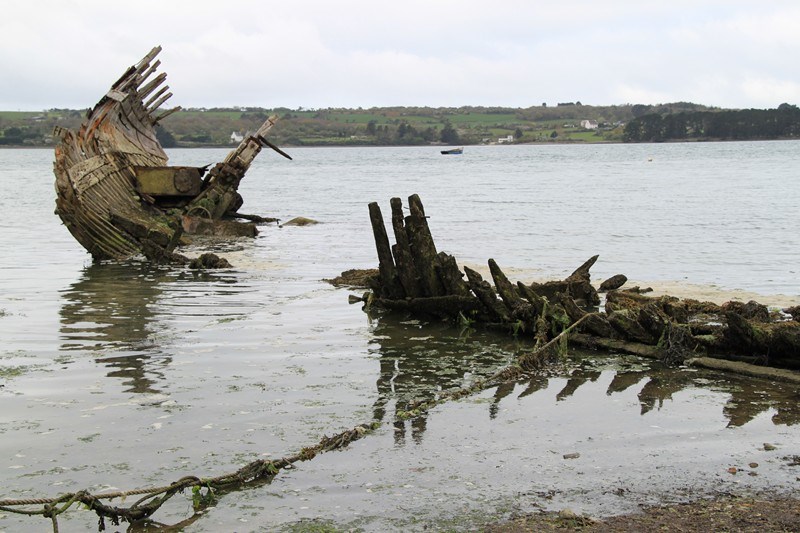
(538, 302)
(582, 272)
(594, 323)
(402, 252)
(504, 287)
(450, 276)
(486, 295)
(576, 285)
(388, 283)
(422, 248)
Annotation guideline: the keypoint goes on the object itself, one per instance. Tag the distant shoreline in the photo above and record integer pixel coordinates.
(569, 123)
(530, 143)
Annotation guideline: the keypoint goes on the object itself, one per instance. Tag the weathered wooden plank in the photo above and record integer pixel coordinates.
(168, 181)
(423, 250)
(141, 78)
(388, 274)
(738, 367)
(486, 295)
(449, 306)
(450, 276)
(504, 287)
(165, 114)
(160, 101)
(83, 174)
(116, 95)
(151, 86)
(582, 271)
(94, 168)
(538, 302)
(154, 97)
(615, 345)
(401, 251)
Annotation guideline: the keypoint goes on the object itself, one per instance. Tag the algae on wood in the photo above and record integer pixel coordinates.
(114, 190)
(414, 278)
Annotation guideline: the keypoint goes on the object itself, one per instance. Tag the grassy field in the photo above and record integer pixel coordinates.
(374, 126)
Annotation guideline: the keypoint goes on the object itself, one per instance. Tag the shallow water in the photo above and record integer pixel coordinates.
(128, 375)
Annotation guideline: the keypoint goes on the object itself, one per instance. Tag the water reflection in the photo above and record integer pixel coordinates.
(139, 373)
(132, 314)
(625, 379)
(750, 399)
(660, 388)
(578, 377)
(502, 390)
(111, 307)
(417, 360)
(535, 384)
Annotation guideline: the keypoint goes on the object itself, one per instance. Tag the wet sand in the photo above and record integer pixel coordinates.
(711, 293)
(679, 288)
(724, 514)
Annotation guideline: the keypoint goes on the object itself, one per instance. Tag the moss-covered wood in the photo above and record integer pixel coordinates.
(666, 327)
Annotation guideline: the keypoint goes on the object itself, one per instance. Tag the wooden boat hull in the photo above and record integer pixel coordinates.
(101, 170)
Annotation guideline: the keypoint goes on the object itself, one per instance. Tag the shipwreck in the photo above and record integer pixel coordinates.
(117, 196)
(414, 278)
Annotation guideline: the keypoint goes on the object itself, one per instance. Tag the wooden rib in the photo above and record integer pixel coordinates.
(158, 103)
(132, 75)
(266, 126)
(141, 79)
(150, 87)
(155, 96)
(144, 64)
(166, 113)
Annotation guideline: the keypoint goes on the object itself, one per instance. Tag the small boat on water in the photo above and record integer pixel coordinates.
(115, 192)
(453, 151)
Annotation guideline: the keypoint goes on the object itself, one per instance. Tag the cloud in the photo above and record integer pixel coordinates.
(770, 92)
(357, 53)
(630, 94)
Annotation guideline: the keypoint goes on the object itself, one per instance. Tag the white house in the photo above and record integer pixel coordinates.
(236, 137)
(508, 139)
(589, 124)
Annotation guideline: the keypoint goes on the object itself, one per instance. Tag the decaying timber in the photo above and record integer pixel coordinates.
(413, 277)
(115, 192)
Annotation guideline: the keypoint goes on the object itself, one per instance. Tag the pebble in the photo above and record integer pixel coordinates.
(769, 447)
(571, 455)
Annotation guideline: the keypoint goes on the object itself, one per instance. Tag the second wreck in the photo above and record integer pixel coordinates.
(414, 278)
(117, 196)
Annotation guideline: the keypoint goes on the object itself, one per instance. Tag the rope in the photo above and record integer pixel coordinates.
(258, 470)
(262, 469)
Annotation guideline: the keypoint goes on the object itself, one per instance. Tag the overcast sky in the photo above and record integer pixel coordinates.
(360, 53)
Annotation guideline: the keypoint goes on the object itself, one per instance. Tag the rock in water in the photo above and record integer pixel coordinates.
(301, 221)
(614, 282)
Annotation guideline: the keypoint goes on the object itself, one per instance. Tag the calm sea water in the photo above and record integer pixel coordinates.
(128, 375)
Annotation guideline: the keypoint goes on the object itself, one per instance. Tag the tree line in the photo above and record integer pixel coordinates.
(392, 126)
(746, 124)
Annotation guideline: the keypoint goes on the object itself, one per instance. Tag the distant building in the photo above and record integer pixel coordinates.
(508, 139)
(236, 137)
(589, 124)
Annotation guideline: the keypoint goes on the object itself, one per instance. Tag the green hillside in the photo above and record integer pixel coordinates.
(386, 126)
